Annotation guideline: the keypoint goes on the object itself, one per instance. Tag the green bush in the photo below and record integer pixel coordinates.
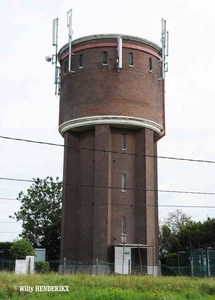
(20, 249)
(42, 267)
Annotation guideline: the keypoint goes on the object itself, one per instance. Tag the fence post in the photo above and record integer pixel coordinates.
(29, 266)
(191, 265)
(64, 265)
(129, 266)
(97, 266)
(208, 262)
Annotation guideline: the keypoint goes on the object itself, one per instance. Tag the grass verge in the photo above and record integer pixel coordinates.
(86, 287)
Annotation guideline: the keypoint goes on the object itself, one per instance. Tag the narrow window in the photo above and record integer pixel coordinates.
(65, 67)
(105, 57)
(131, 61)
(123, 182)
(81, 60)
(123, 225)
(123, 141)
(150, 64)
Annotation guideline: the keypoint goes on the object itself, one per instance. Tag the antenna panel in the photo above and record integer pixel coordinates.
(70, 24)
(54, 23)
(119, 52)
(165, 47)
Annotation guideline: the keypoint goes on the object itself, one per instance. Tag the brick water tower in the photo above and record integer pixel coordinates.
(111, 116)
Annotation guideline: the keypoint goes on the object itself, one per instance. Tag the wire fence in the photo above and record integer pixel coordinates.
(93, 267)
(98, 266)
(196, 263)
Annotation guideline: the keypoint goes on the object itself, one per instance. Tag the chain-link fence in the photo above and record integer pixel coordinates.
(7, 265)
(196, 263)
(96, 266)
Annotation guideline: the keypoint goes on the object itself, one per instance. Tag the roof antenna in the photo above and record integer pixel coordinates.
(54, 58)
(70, 32)
(119, 54)
(164, 46)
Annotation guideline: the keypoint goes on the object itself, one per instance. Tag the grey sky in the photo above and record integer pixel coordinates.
(29, 108)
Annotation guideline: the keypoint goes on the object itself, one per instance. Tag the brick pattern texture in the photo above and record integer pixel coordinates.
(93, 202)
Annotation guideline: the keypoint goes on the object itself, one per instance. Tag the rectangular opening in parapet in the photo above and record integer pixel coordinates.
(131, 59)
(81, 61)
(123, 141)
(105, 61)
(150, 64)
(65, 68)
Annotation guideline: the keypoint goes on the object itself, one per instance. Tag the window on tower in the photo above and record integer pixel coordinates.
(123, 182)
(81, 61)
(123, 225)
(123, 141)
(105, 58)
(65, 67)
(131, 60)
(150, 64)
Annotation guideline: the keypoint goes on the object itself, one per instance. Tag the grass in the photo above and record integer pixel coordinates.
(86, 287)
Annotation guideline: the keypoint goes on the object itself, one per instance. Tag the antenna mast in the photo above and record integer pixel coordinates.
(119, 54)
(70, 32)
(164, 46)
(54, 56)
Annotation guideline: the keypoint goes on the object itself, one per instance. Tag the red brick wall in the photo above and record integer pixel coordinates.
(96, 89)
(93, 202)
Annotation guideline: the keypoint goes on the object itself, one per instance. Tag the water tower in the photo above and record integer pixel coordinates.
(111, 116)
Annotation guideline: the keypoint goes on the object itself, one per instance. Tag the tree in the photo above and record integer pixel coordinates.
(178, 234)
(20, 249)
(170, 229)
(199, 235)
(40, 212)
(5, 250)
(177, 220)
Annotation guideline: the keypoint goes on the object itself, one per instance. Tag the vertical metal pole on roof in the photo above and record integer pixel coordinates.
(165, 46)
(70, 32)
(69, 25)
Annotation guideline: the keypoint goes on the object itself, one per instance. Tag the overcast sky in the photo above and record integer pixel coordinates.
(29, 107)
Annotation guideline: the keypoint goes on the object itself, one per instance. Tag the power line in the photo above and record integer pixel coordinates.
(31, 141)
(117, 188)
(9, 222)
(16, 179)
(10, 232)
(188, 206)
(148, 205)
(109, 151)
(4, 198)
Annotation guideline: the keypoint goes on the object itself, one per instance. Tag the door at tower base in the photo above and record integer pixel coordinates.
(129, 259)
(122, 264)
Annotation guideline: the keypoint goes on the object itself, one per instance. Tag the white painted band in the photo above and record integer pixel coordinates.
(81, 124)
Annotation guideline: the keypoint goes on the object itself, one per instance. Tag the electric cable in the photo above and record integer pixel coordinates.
(116, 188)
(109, 151)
